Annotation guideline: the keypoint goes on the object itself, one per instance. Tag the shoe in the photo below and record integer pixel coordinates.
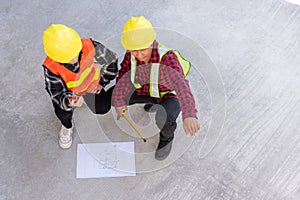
(163, 149)
(65, 137)
(148, 107)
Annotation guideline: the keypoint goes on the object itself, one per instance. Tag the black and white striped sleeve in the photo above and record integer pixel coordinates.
(57, 90)
(108, 61)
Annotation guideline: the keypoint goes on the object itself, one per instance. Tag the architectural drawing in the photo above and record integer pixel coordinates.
(108, 159)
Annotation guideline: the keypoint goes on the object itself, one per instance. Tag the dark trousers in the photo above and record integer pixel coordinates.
(97, 103)
(165, 118)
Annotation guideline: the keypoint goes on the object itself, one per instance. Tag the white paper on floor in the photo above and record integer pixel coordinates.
(95, 160)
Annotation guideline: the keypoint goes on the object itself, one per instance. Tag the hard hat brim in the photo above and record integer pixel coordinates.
(138, 39)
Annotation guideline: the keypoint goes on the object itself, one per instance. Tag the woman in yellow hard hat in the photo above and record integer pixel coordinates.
(155, 75)
(72, 76)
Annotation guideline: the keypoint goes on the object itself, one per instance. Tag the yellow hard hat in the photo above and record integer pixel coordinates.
(61, 43)
(138, 33)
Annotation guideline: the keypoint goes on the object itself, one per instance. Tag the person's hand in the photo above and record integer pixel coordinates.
(191, 126)
(119, 111)
(97, 89)
(76, 101)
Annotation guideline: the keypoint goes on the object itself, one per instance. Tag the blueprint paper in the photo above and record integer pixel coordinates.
(96, 160)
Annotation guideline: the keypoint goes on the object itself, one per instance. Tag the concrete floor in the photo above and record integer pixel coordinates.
(252, 152)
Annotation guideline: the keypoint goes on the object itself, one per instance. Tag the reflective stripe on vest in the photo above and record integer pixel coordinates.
(154, 72)
(133, 72)
(154, 79)
(90, 74)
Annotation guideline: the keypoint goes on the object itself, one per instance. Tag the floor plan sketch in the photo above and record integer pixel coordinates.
(95, 160)
(108, 159)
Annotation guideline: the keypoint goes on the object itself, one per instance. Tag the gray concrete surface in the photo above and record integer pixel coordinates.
(255, 46)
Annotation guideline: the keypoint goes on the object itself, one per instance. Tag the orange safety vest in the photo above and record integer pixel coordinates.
(88, 76)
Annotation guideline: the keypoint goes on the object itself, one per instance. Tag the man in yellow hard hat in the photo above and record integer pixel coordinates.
(72, 76)
(152, 74)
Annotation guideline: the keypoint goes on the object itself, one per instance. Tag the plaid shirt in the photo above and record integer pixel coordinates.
(57, 88)
(171, 77)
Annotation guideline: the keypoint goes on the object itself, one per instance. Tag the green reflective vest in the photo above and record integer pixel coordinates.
(154, 71)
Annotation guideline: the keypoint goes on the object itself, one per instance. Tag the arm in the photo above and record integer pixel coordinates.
(174, 79)
(108, 61)
(122, 90)
(124, 85)
(57, 90)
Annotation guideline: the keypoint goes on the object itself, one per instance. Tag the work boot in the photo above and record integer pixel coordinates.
(149, 107)
(65, 137)
(163, 149)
